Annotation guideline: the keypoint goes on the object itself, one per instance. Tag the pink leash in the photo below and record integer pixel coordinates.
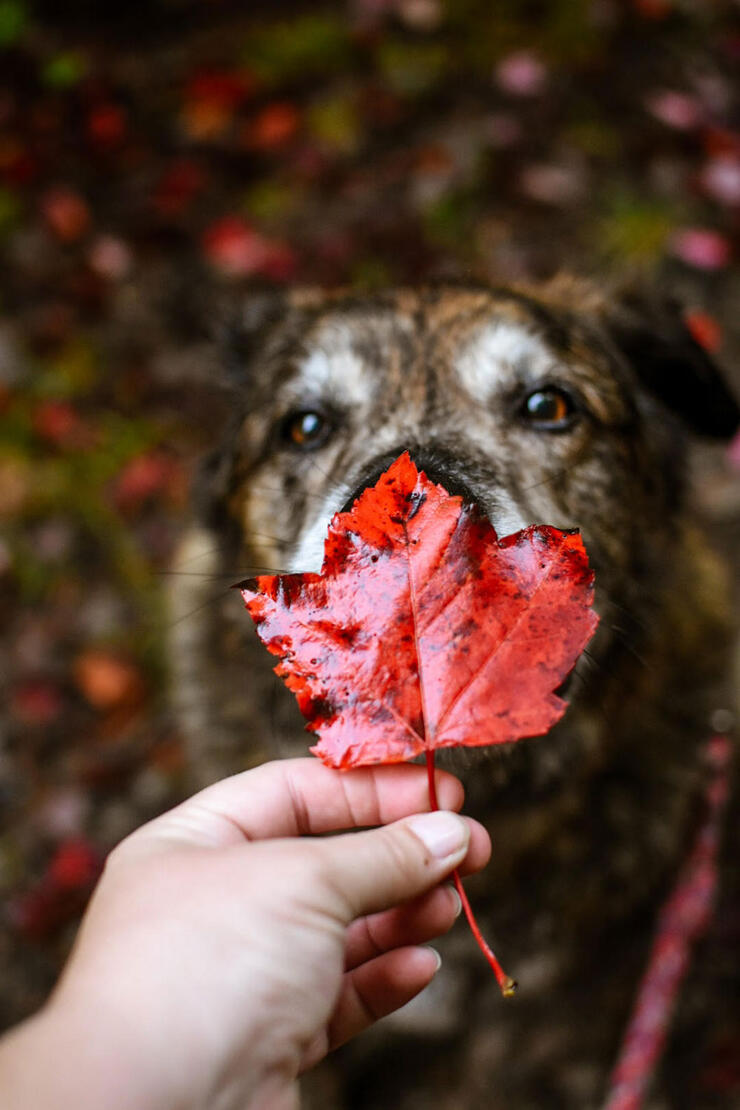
(683, 919)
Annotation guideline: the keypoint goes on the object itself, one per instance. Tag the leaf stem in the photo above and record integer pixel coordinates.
(505, 982)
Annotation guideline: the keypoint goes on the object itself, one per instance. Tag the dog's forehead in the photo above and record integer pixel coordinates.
(500, 349)
(473, 338)
(334, 361)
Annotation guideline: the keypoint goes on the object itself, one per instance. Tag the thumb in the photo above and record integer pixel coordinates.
(372, 871)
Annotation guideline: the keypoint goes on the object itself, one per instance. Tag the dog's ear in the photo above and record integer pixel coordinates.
(246, 325)
(655, 339)
(242, 325)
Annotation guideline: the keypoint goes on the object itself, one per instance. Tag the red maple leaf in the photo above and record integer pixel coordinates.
(424, 630)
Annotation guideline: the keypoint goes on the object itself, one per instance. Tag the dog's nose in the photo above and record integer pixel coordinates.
(439, 464)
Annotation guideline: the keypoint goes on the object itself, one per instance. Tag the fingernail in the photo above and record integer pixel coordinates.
(439, 958)
(442, 833)
(456, 898)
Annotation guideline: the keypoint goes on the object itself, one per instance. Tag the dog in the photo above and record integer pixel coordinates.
(562, 405)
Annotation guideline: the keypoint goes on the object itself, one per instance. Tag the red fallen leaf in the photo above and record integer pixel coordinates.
(18, 166)
(75, 864)
(60, 425)
(280, 262)
(226, 88)
(40, 913)
(238, 250)
(424, 630)
(107, 125)
(178, 187)
(66, 214)
(211, 99)
(701, 247)
(59, 896)
(107, 681)
(148, 476)
(720, 141)
(274, 126)
(233, 246)
(704, 329)
(36, 702)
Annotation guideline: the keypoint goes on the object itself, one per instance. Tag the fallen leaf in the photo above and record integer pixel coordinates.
(521, 74)
(110, 257)
(153, 474)
(234, 247)
(274, 126)
(704, 329)
(550, 183)
(238, 250)
(107, 681)
(224, 87)
(59, 424)
(674, 109)
(66, 214)
(720, 179)
(74, 864)
(107, 125)
(59, 896)
(701, 247)
(179, 186)
(211, 99)
(36, 702)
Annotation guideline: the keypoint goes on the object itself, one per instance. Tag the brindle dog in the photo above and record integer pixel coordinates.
(558, 406)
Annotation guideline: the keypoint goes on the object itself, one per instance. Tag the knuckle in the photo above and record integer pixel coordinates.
(405, 854)
(322, 873)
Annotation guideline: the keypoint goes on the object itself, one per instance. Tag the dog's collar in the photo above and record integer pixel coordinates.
(682, 920)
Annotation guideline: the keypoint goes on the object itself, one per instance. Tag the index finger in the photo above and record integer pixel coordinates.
(297, 797)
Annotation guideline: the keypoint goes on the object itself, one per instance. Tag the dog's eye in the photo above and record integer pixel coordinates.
(549, 409)
(306, 429)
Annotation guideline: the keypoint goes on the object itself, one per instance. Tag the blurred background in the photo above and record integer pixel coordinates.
(157, 155)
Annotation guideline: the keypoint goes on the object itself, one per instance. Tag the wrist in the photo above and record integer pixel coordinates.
(69, 1059)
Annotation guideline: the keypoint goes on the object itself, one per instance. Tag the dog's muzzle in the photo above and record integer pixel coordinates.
(439, 465)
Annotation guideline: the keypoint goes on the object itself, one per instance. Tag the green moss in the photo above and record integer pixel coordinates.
(632, 229)
(269, 202)
(307, 44)
(10, 211)
(369, 274)
(14, 19)
(64, 70)
(411, 68)
(333, 121)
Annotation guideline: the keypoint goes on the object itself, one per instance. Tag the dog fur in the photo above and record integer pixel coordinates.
(590, 823)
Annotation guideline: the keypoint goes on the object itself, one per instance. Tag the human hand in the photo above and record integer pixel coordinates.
(228, 947)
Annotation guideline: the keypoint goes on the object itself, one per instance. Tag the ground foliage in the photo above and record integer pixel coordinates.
(154, 156)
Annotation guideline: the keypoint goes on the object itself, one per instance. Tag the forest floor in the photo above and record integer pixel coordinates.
(158, 158)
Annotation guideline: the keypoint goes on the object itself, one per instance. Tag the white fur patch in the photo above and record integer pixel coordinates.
(308, 554)
(506, 516)
(493, 352)
(333, 369)
(309, 551)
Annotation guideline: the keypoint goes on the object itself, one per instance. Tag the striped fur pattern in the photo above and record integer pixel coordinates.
(589, 824)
